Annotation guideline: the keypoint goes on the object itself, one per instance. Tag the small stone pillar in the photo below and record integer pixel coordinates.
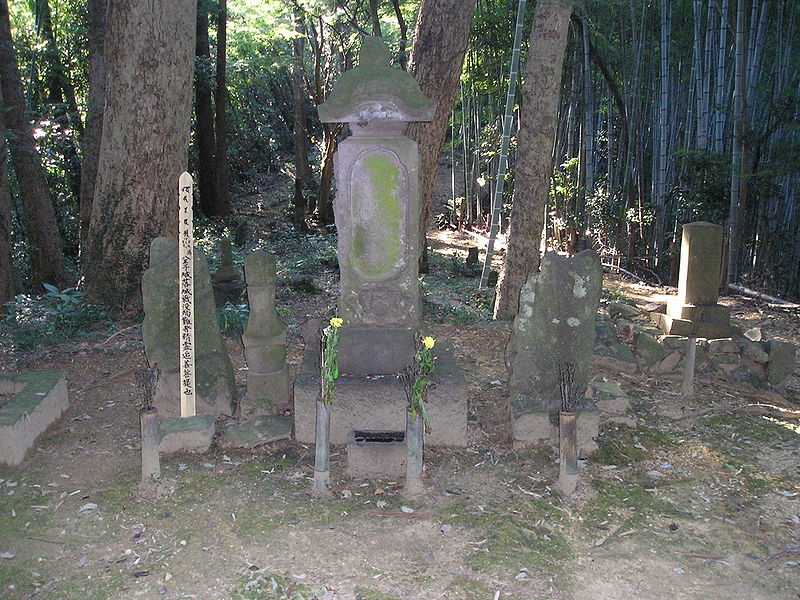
(377, 211)
(695, 312)
(264, 340)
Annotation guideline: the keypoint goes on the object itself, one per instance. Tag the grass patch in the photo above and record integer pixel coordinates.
(622, 445)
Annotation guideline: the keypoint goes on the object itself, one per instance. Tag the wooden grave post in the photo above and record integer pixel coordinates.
(186, 294)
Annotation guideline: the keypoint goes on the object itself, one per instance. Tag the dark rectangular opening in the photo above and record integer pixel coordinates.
(363, 437)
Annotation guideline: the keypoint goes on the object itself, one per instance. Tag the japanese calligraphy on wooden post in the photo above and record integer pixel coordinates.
(186, 295)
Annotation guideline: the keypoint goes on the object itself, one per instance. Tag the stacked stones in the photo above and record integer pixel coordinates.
(264, 340)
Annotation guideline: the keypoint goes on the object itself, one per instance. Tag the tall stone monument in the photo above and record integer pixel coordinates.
(264, 340)
(377, 211)
(695, 312)
(377, 214)
(555, 324)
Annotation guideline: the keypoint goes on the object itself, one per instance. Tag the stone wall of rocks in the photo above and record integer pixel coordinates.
(627, 341)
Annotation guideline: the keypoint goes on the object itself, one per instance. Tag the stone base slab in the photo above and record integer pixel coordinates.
(37, 401)
(541, 429)
(379, 403)
(702, 313)
(186, 434)
(376, 453)
(255, 432)
(683, 327)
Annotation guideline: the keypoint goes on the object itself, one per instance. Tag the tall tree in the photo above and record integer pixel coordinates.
(95, 104)
(538, 114)
(302, 169)
(47, 253)
(150, 57)
(223, 196)
(437, 55)
(739, 91)
(204, 116)
(6, 280)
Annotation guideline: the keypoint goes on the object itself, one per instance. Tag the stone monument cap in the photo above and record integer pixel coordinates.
(375, 91)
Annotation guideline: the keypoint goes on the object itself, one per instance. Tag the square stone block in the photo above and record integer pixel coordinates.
(540, 428)
(379, 403)
(673, 326)
(186, 434)
(376, 453)
(702, 313)
(38, 400)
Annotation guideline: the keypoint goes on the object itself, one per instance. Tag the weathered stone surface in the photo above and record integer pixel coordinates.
(264, 341)
(377, 212)
(605, 332)
(781, 361)
(214, 380)
(673, 342)
(555, 324)
(370, 455)
(609, 397)
(685, 328)
(379, 403)
(227, 281)
(724, 346)
(667, 365)
(701, 261)
(259, 430)
(620, 309)
(754, 334)
(752, 350)
(186, 434)
(540, 428)
(375, 91)
(745, 374)
(36, 401)
(617, 351)
(611, 364)
(648, 350)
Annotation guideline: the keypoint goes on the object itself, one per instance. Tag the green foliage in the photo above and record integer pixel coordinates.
(53, 318)
(416, 378)
(232, 319)
(329, 359)
(703, 187)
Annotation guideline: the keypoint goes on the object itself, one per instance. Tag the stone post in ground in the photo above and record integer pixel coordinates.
(227, 280)
(377, 211)
(264, 340)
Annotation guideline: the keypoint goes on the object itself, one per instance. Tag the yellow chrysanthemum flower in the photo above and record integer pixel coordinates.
(428, 342)
(336, 322)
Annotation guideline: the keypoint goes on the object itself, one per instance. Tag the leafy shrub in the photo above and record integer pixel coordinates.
(233, 318)
(53, 318)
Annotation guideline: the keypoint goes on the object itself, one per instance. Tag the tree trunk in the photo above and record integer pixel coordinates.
(739, 91)
(440, 42)
(538, 114)
(7, 288)
(223, 196)
(402, 55)
(302, 170)
(150, 58)
(47, 253)
(204, 117)
(90, 141)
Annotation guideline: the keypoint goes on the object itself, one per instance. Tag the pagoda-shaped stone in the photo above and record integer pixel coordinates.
(377, 211)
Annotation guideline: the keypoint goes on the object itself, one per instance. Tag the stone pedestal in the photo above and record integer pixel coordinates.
(379, 403)
(227, 281)
(695, 312)
(264, 341)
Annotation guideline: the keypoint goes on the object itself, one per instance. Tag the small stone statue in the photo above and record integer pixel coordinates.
(264, 340)
(227, 280)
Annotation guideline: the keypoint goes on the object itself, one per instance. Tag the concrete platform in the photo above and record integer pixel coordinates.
(376, 453)
(36, 401)
(379, 403)
(186, 434)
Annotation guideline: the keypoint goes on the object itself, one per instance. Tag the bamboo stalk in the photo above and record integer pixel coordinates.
(415, 436)
(322, 456)
(151, 463)
(687, 386)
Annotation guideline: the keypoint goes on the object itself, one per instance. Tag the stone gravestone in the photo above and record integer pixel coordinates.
(215, 384)
(227, 280)
(695, 312)
(377, 211)
(555, 324)
(264, 340)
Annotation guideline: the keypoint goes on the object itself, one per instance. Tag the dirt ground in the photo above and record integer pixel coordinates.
(694, 500)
